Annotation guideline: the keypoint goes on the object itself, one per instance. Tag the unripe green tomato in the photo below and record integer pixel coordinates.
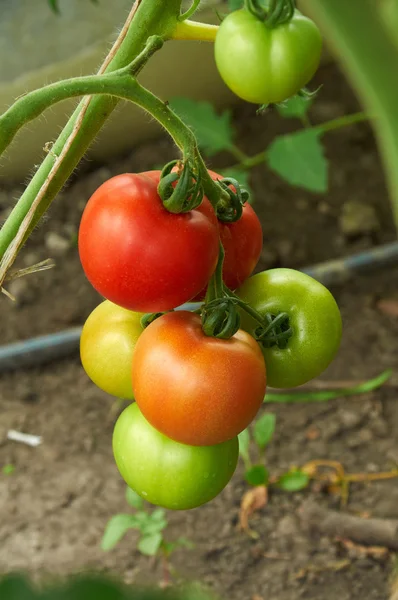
(107, 346)
(314, 318)
(167, 473)
(264, 65)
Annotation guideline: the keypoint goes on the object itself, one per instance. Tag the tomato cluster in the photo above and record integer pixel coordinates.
(194, 392)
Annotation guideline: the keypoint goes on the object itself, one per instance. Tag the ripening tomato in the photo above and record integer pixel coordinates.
(168, 473)
(139, 255)
(107, 346)
(313, 316)
(266, 65)
(196, 389)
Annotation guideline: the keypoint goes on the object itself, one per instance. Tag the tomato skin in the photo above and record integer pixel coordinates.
(168, 473)
(139, 255)
(263, 65)
(196, 389)
(107, 346)
(314, 317)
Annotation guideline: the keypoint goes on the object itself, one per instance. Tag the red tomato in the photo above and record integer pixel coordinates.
(195, 389)
(242, 242)
(139, 255)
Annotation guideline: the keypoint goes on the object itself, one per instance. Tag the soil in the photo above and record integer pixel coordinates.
(56, 503)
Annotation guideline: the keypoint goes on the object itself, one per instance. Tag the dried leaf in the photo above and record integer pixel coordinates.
(252, 500)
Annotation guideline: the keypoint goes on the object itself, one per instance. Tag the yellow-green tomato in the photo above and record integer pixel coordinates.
(167, 473)
(107, 346)
(266, 65)
(314, 318)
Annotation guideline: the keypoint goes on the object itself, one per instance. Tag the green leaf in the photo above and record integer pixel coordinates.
(257, 475)
(264, 428)
(244, 445)
(293, 481)
(299, 159)
(150, 544)
(324, 396)
(133, 499)
(8, 469)
(116, 528)
(154, 522)
(213, 132)
(54, 5)
(14, 587)
(296, 106)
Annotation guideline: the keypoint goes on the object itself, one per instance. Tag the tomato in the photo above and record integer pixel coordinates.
(107, 345)
(196, 389)
(139, 255)
(168, 473)
(313, 316)
(242, 242)
(264, 65)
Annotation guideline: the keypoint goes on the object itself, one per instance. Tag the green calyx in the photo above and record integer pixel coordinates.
(230, 206)
(181, 190)
(276, 333)
(272, 12)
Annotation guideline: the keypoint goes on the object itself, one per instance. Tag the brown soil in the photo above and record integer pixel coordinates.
(55, 505)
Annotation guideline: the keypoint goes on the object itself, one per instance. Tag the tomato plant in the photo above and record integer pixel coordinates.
(107, 346)
(197, 389)
(263, 64)
(165, 472)
(139, 255)
(314, 318)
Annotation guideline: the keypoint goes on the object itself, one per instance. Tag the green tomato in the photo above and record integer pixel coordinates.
(168, 473)
(313, 316)
(264, 65)
(107, 346)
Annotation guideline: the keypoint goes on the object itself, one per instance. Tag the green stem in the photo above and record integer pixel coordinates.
(191, 30)
(147, 17)
(33, 104)
(258, 159)
(193, 8)
(370, 57)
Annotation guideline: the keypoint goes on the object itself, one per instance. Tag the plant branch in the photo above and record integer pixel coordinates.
(192, 30)
(147, 17)
(334, 124)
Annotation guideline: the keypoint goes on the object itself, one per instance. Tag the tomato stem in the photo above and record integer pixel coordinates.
(278, 12)
(193, 8)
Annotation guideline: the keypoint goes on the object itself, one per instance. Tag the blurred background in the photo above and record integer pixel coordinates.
(56, 498)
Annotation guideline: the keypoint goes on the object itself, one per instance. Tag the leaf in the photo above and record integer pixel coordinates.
(296, 106)
(257, 475)
(293, 481)
(54, 6)
(324, 396)
(133, 499)
(264, 429)
(154, 523)
(8, 469)
(213, 132)
(14, 587)
(244, 445)
(252, 500)
(299, 159)
(116, 528)
(150, 544)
